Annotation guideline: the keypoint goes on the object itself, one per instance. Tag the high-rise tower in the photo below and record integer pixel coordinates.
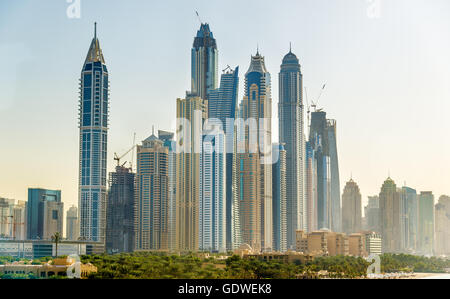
(93, 114)
(351, 208)
(291, 132)
(152, 194)
(254, 158)
(222, 105)
(204, 60)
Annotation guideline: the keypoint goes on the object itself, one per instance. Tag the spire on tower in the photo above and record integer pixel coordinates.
(95, 30)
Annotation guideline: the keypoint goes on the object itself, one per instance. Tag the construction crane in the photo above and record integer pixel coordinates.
(314, 104)
(118, 158)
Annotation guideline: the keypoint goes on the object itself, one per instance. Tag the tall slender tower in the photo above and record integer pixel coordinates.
(390, 220)
(93, 113)
(254, 158)
(191, 113)
(152, 194)
(204, 59)
(222, 105)
(291, 132)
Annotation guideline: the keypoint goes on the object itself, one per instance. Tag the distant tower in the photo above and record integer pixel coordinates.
(94, 109)
(351, 208)
(291, 132)
(204, 60)
(426, 223)
(409, 218)
(442, 226)
(152, 194)
(120, 211)
(254, 158)
(390, 217)
(72, 224)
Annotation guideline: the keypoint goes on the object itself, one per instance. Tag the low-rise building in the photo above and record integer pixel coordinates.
(357, 245)
(32, 249)
(56, 267)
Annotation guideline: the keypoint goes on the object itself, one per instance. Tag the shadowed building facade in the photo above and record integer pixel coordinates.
(93, 116)
(120, 211)
(291, 134)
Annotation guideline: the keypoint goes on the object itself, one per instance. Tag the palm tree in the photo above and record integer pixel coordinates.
(56, 238)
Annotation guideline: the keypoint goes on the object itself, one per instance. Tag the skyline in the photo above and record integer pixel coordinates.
(63, 136)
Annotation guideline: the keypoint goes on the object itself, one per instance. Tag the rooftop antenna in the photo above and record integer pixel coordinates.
(95, 30)
(153, 130)
(257, 49)
(290, 47)
(198, 16)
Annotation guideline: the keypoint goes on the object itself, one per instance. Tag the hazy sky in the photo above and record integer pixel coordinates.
(387, 75)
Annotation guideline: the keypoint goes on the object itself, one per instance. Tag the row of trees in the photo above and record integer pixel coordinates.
(191, 266)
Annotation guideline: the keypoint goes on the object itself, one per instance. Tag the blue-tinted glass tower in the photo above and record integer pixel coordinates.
(290, 115)
(36, 209)
(204, 59)
(222, 106)
(93, 113)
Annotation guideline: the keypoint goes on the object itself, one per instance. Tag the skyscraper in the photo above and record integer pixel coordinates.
(442, 226)
(120, 211)
(426, 223)
(152, 194)
(311, 187)
(409, 218)
(222, 105)
(44, 213)
(390, 209)
(318, 138)
(212, 205)
(204, 63)
(169, 142)
(351, 208)
(254, 158)
(291, 133)
(372, 213)
(335, 186)
(279, 197)
(72, 224)
(191, 113)
(93, 116)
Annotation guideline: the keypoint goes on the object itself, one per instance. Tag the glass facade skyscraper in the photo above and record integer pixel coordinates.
(204, 63)
(212, 206)
(93, 116)
(222, 105)
(44, 213)
(291, 132)
(409, 219)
